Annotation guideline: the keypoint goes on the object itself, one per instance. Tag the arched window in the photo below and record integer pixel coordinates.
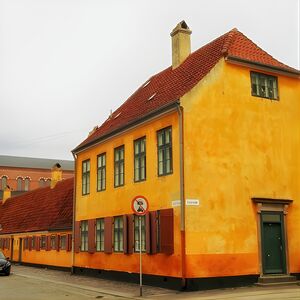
(27, 182)
(42, 182)
(48, 182)
(3, 182)
(20, 184)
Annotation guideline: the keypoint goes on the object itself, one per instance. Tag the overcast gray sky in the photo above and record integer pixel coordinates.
(64, 64)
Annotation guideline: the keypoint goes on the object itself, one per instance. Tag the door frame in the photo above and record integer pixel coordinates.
(273, 206)
(20, 249)
(12, 249)
(282, 231)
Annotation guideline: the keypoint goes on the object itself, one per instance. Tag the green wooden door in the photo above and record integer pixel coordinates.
(273, 244)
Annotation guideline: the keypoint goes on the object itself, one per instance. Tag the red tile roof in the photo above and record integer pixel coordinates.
(168, 86)
(40, 209)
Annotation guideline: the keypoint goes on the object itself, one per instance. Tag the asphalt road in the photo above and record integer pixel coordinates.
(28, 283)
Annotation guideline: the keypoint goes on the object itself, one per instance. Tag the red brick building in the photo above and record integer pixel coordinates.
(25, 173)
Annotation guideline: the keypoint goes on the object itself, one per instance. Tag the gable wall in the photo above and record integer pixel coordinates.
(236, 147)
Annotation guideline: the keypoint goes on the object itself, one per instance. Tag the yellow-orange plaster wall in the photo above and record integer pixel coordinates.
(61, 258)
(159, 191)
(236, 147)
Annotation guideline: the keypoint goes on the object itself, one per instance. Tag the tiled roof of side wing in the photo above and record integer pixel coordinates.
(40, 209)
(169, 85)
(242, 47)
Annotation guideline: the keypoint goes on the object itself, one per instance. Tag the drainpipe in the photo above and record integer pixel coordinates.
(74, 214)
(182, 198)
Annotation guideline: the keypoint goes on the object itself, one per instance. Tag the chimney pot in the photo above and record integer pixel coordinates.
(181, 43)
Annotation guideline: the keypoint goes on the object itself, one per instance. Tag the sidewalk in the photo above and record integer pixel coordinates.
(103, 286)
(131, 290)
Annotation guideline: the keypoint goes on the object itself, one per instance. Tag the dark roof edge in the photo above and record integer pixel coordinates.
(138, 121)
(265, 67)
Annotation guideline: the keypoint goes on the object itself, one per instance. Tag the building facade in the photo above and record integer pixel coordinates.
(213, 143)
(36, 226)
(24, 174)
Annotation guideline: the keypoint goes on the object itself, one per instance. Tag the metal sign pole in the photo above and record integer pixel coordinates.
(141, 279)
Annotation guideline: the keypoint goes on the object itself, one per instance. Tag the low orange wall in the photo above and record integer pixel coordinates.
(157, 264)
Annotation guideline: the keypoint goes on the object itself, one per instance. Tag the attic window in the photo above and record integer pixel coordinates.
(146, 83)
(151, 97)
(263, 85)
(117, 115)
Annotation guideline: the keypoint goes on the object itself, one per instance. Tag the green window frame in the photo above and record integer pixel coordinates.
(118, 234)
(101, 172)
(264, 86)
(119, 165)
(100, 234)
(84, 227)
(53, 242)
(164, 151)
(137, 233)
(43, 242)
(63, 242)
(86, 177)
(140, 159)
(33, 242)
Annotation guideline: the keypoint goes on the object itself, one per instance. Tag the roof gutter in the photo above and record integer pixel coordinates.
(252, 64)
(144, 119)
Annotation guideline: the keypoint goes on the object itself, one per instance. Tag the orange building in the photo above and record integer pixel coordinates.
(213, 143)
(36, 226)
(23, 174)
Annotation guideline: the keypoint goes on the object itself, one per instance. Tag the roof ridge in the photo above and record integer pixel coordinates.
(229, 36)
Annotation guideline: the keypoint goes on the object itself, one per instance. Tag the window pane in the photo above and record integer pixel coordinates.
(160, 139)
(136, 147)
(143, 145)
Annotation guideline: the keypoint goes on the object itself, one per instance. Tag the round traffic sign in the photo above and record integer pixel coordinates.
(140, 205)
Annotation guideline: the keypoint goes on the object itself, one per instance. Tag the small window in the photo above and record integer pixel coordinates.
(63, 242)
(101, 174)
(26, 243)
(20, 184)
(86, 177)
(119, 166)
(264, 86)
(27, 182)
(3, 183)
(164, 151)
(43, 242)
(53, 242)
(100, 234)
(140, 159)
(137, 234)
(33, 242)
(84, 236)
(42, 182)
(118, 234)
